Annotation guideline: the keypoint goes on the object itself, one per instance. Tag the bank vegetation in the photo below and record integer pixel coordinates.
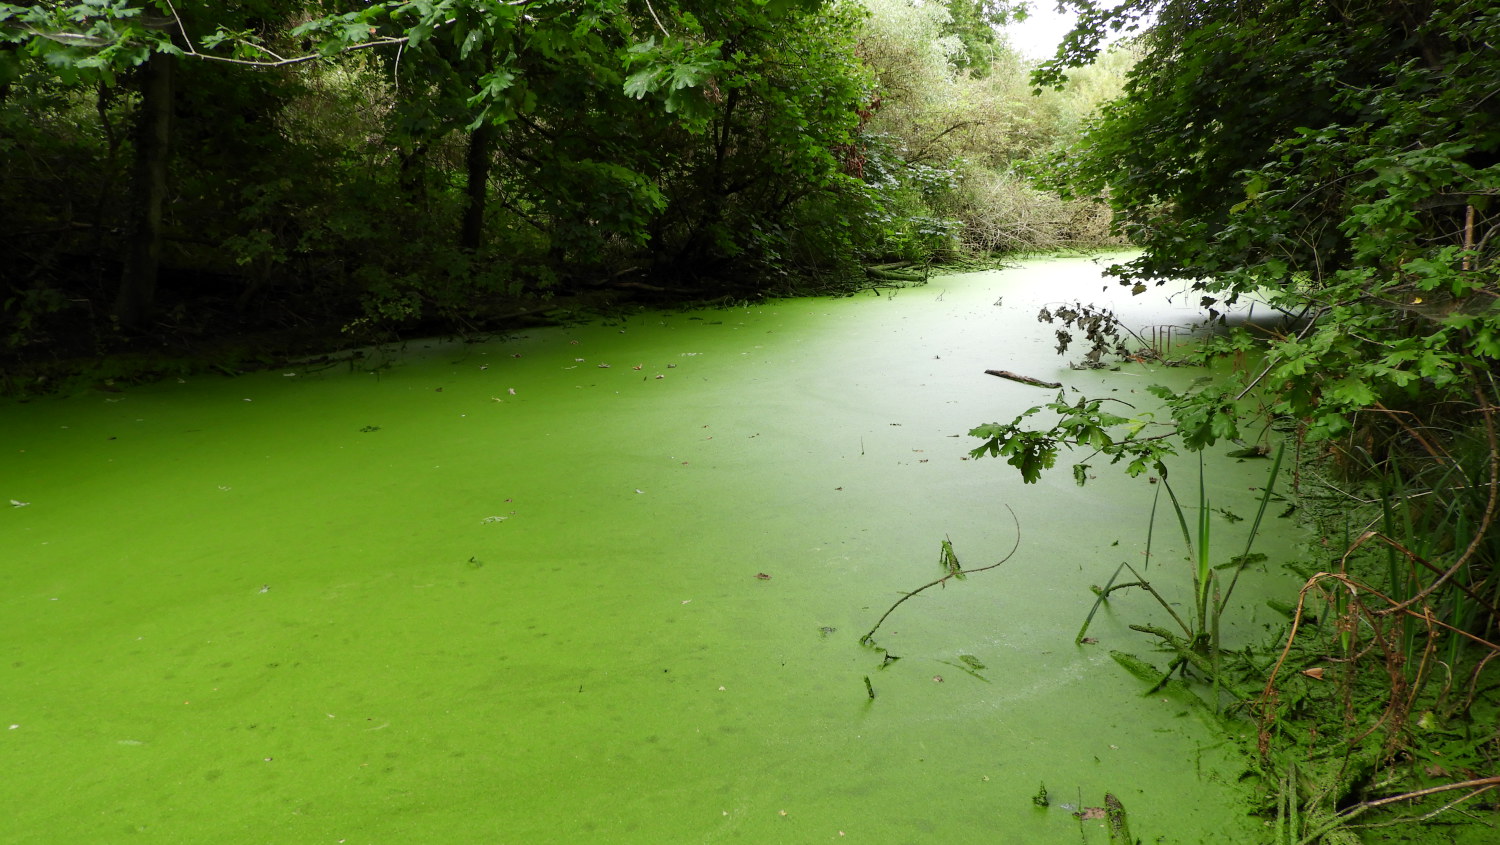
(1338, 162)
(196, 178)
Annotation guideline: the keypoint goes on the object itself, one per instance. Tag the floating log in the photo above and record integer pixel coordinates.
(1034, 382)
(1119, 823)
(896, 275)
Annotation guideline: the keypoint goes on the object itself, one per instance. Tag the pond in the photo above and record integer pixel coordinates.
(602, 583)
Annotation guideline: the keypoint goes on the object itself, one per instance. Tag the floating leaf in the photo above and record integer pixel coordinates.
(1090, 813)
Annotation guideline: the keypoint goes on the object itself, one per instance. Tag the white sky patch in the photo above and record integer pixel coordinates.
(1037, 37)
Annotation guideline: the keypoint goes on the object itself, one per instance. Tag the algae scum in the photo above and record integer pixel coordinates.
(594, 584)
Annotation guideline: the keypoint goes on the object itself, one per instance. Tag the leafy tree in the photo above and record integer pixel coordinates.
(1340, 158)
(129, 53)
(744, 105)
(772, 165)
(943, 146)
(975, 24)
(442, 159)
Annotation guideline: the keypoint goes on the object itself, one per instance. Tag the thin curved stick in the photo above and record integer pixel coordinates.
(1268, 695)
(869, 638)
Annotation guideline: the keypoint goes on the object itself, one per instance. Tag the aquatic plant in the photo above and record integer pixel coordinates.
(1198, 645)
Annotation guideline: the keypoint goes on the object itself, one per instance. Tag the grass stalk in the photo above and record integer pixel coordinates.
(1204, 573)
(1266, 494)
(1197, 553)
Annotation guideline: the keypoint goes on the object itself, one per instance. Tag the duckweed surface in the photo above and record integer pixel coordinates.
(601, 584)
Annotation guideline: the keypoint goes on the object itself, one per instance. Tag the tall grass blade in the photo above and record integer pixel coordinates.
(1151, 524)
(1098, 602)
(1260, 514)
(1187, 534)
(1205, 565)
(1214, 653)
(1187, 538)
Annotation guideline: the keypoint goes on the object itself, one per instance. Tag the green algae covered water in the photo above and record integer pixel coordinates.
(597, 584)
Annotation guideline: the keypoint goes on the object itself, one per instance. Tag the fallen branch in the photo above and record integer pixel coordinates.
(897, 275)
(1034, 382)
(1479, 786)
(949, 562)
(1484, 783)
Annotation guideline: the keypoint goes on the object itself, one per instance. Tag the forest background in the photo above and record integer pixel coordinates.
(176, 172)
(292, 175)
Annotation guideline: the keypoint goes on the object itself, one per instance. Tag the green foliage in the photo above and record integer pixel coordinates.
(1343, 171)
(974, 24)
(1203, 416)
(1081, 425)
(85, 42)
(1339, 161)
(950, 121)
(1347, 165)
(326, 155)
(443, 163)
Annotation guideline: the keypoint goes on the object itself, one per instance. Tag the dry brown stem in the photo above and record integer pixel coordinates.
(1487, 521)
(1483, 784)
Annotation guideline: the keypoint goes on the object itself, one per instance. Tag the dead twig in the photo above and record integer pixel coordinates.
(953, 572)
(1482, 784)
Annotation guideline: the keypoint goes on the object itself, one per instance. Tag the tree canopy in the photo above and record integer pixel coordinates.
(1340, 158)
(632, 136)
(173, 166)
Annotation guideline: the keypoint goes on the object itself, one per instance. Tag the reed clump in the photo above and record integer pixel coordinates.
(1380, 708)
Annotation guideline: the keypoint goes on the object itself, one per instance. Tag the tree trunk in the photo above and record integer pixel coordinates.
(10, 68)
(479, 161)
(137, 296)
(413, 175)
